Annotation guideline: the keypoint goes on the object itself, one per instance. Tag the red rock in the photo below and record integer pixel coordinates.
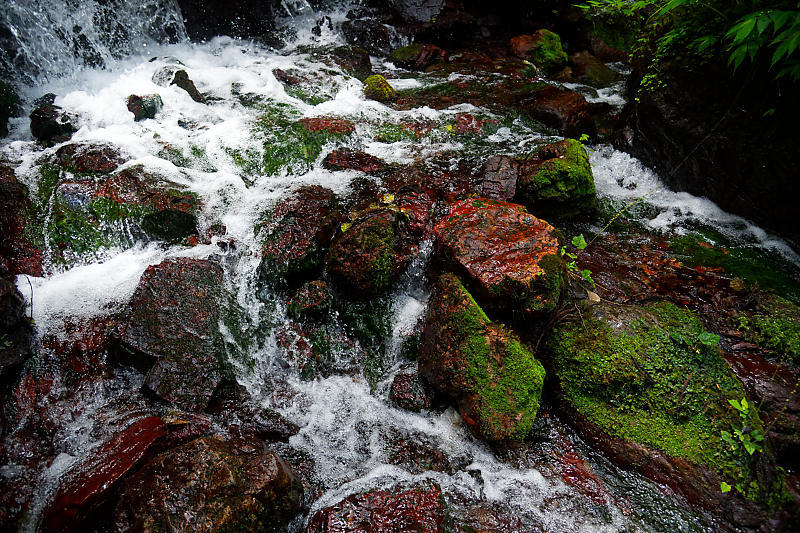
(284, 77)
(565, 110)
(410, 393)
(418, 207)
(330, 125)
(86, 158)
(172, 326)
(312, 299)
(349, 159)
(88, 484)
(298, 234)
(469, 124)
(420, 509)
(208, 485)
(510, 256)
(17, 254)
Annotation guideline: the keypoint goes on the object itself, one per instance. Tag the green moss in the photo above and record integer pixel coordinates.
(765, 271)
(776, 326)
(405, 53)
(657, 378)
(392, 133)
(377, 88)
(547, 51)
(562, 186)
(308, 95)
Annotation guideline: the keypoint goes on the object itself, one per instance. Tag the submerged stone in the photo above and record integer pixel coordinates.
(495, 380)
(209, 485)
(508, 255)
(298, 233)
(417, 56)
(144, 107)
(377, 88)
(408, 392)
(349, 159)
(558, 182)
(542, 47)
(173, 328)
(353, 60)
(419, 509)
(312, 299)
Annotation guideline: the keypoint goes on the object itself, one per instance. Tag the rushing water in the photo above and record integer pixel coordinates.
(347, 426)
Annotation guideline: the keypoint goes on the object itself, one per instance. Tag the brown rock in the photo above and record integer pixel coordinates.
(499, 178)
(88, 158)
(565, 110)
(349, 159)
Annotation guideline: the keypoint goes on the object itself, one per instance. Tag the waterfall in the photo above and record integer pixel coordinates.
(44, 39)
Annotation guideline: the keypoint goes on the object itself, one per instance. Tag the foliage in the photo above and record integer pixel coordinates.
(746, 30)
(578, 242)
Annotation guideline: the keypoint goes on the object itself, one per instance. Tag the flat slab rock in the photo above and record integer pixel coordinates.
(420, 509)
(173, 327)
(510, 256)
(208, 485)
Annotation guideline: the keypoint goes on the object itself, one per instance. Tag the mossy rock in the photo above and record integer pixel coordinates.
(543, 48)
(775, 325)
(559, 183)
(495, 380)
(654, 377)
(377, 88)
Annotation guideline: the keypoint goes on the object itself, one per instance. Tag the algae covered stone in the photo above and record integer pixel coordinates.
(649, 385)
(377, 88)
(542, 47)
(775, 325)
(495, 380)
(558, 182)
(510, 256)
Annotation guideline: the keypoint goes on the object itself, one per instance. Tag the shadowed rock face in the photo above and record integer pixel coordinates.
(418, 509)
(208, 485)
(509, 256)
(173, 328)
(238, 18)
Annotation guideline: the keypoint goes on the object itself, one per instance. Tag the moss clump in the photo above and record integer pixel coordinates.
(546, 51)
(496, 379)
(774, 325)
(562, 186)
(377, 88)
(654, 376)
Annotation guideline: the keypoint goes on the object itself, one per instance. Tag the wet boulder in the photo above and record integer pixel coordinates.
(349, 159)
(588, 69)
(16, 332)
(417, 56)
(182, 80)
(353, 60)
(499, 181)
(18, 255)
(542, 48)
(558, 181)
(510, 257)
(419, 508)
(92, 481)
(50, 124)
(209, 485)
(372, 252)
(370, 34)
(312, 299)
(410, 393)
(297, 234)
(88, 215)
(145, 106)
(377, 88)
(89, 158)
(649, 387)
(562, 109)
(172, 329)
(494, 379)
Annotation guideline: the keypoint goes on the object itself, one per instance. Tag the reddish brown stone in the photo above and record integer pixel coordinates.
(499, 178)
(330, 125)
(89, 483)
(300, 230)
(565, 110)
(510, 256)
(349, 159)
(86, 158)
(286, 78)
(173, 327)
(312, 299)
(17, 254)
(208, 485)
(410, 393)
(420, 509)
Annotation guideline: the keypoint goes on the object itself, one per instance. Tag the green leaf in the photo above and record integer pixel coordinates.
(736, 405)
(744, 404)
(587, 275)
(724, 487)
(579, 242)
